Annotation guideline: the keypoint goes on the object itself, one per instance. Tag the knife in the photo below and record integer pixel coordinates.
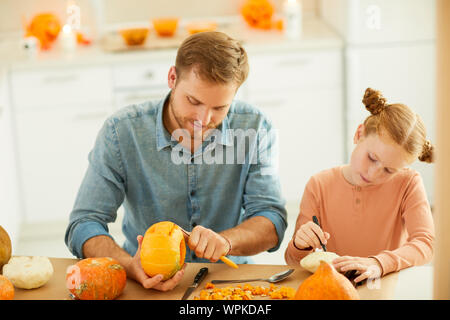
(316, 221)
(223, 258)
(201, 274)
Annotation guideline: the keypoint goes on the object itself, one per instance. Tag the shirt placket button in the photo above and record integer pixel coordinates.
(358, 196)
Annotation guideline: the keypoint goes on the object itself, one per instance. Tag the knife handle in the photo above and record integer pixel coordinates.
(201, 275)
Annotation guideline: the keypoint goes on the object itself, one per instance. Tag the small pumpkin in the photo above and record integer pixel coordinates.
(5, 248)
(258, 13)
(163, 250)
(6, 289)
(96, 279)
(312, 261)
(326, 284)
(45, 27)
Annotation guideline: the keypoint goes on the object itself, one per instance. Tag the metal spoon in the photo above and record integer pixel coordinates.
(275, 278)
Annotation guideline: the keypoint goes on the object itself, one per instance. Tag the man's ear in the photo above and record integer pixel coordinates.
(172, 77)
(359, 134)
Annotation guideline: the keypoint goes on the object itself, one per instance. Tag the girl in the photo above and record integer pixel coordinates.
(374, 211)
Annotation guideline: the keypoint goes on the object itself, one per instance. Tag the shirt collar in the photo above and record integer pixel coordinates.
(163, 137)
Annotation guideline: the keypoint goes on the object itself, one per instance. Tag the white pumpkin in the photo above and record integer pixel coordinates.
(312, 261)
(28, 272)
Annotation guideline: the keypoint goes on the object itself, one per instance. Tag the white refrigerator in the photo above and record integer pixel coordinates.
(389, 46)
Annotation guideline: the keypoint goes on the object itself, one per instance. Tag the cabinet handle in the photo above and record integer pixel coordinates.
(294, 62)
(60, 79)
(149, 75)
(134, 97)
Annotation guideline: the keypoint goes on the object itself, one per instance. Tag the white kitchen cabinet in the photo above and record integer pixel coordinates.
(60, 87)
(10, 215)
(53, 148)
(140, 81)
(57, 114)
(304, 100)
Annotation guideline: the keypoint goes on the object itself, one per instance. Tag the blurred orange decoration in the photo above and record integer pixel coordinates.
(165, 27)
(134, 36)
(45, 27)
(259, 14)
(81, 39)
(196, 27)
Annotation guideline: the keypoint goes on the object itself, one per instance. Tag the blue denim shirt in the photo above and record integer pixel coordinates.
(136, 163)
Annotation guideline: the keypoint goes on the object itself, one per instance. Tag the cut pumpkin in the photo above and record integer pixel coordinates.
(163, 250)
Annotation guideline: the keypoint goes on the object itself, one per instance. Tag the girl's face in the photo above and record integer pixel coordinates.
(375, 159)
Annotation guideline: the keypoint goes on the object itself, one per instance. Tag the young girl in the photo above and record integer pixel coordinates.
(373, 212)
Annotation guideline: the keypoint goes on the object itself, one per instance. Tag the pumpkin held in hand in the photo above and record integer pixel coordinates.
(6, 289)
(326, 284)
(96, 279)
(163, 250)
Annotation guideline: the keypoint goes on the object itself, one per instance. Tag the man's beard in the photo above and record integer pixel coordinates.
(184, 124)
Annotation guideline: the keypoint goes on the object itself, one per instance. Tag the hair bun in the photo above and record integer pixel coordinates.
(427, 154)
(374, 101)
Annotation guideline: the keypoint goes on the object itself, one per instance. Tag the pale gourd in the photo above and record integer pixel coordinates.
(28, 272)
(312, 261)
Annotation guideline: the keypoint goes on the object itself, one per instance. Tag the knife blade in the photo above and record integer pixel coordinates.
(201, 274)
(223, 258)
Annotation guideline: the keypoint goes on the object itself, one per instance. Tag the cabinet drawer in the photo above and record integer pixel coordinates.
(142, 75)
(305, 70)
(127, 97)
(61, 87)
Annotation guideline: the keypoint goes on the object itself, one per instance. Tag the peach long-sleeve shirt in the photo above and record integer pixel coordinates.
(391, 222)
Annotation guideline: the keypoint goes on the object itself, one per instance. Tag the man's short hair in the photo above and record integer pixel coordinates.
(215, 57)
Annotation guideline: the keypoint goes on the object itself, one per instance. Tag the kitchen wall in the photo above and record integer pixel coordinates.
(118, 11)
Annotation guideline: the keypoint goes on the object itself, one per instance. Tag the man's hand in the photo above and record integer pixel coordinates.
(208, 244)
(135, 271)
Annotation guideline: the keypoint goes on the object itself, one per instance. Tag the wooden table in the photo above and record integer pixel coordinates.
(55, 289)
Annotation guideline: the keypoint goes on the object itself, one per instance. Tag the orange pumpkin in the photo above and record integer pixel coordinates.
(6, 289)
(96, 279)
(326, 284)
(45, 27)
(258, 13)
(163, 250)
(5, 247)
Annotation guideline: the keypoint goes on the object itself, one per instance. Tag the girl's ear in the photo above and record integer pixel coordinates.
(359, 134)
(172, 77)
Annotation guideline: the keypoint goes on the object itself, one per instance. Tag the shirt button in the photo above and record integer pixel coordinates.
(358, 201)
(358, 189)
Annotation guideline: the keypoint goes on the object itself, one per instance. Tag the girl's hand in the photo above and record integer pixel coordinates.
(308, 235)
(366, 267)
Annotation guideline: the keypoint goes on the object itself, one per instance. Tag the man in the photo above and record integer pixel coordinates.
(162, 161)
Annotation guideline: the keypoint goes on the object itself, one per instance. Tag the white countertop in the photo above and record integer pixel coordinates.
(316, 35)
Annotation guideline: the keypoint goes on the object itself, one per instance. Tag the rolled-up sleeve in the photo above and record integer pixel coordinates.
(101, 193)
(262, 195)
